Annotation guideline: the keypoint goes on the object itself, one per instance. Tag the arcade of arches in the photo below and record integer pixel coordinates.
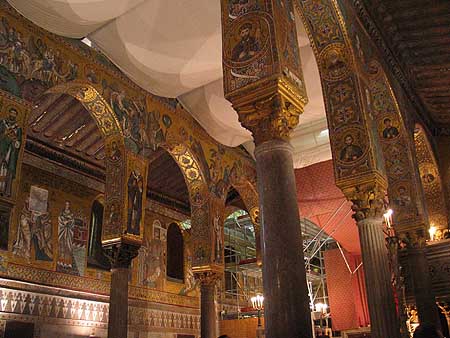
(163, 162)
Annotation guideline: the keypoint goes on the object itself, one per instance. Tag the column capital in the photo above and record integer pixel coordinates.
(368, 198)
(121, 254)
(208, 278)
(254, 216)
(414, 239)
(271, 110)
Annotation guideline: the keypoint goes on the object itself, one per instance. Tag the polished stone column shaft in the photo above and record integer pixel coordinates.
(286, 301)
(384, 321)
(208, 311)
(118, 303)
(422, 288)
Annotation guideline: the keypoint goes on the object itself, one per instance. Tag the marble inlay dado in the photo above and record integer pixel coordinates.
(49, 306)
(40, 307)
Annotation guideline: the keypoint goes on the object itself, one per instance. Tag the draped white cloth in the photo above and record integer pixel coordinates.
(173, 48)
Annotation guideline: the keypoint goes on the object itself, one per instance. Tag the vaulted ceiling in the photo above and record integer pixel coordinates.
(417, 33)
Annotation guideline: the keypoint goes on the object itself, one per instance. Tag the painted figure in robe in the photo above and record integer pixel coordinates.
(10, 142)
(66, 225)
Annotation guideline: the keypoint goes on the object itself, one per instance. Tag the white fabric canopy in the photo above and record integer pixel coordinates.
(173, 48)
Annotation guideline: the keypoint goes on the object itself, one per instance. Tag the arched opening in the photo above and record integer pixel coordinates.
(175, 253)
(231, 258)
(243, 276)
(163, 255)
(63, 172)
(166, 183)
(96, 257)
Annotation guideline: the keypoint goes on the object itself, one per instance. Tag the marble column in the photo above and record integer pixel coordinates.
(286, 301)
(208, 316)
(421, 286)
(384, 321)
(120, 256)
(118, 304)
(208, 311)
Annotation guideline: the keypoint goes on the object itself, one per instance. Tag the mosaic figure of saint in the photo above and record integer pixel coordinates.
(115, 152)
(248, 45)
(135, 191)
(42, 237)
(239, 7)
(350, 152)
(66, 226)
(219, 245)
(34, 231)
(389, 130)
(10, 142)
(428, 178)
(335, 64)
(403, 199)
(22, 244)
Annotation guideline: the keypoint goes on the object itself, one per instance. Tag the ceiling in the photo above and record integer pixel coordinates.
(417, 32)
(173, 54)
(62, 130)
(166, 182)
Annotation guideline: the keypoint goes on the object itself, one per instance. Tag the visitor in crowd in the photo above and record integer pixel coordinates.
(427, 330)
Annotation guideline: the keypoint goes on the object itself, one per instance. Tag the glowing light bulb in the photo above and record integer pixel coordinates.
(388, 217)
(432, 232)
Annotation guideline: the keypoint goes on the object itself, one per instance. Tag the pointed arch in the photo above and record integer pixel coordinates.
(116, 157)
(397, 147)
(194, 178)
(94, 103)
(353, 143)
(359, 99)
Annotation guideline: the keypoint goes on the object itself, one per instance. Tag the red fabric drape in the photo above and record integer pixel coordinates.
(346, 291)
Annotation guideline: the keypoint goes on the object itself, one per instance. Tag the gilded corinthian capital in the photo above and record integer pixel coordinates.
(208, 277)
(368, 198)
(270, 111)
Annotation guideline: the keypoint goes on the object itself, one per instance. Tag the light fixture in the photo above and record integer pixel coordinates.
(321, 307)
(432, 232)
(388, 217)
(258, 304)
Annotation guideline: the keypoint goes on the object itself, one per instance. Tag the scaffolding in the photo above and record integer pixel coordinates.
(243, 277)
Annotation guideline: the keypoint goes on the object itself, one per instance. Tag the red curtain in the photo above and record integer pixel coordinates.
(346, 291)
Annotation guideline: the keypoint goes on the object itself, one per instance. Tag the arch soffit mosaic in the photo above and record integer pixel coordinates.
(390, 127)
(396, 146)
(352, 142)
(431, 180)
(343, 81)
